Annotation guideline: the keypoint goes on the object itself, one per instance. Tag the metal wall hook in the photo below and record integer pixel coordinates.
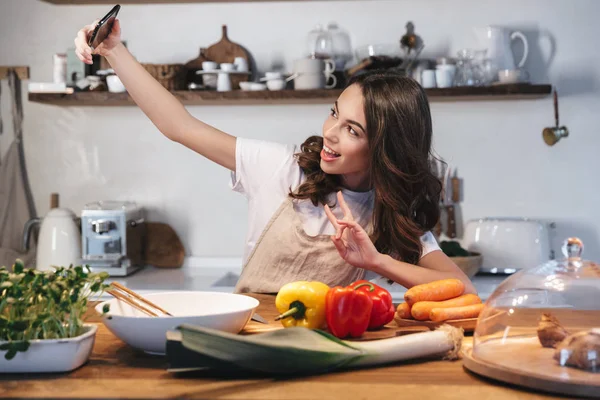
(552, 135)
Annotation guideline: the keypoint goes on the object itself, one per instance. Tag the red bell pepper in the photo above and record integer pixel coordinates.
(383, 307)
(348, 311)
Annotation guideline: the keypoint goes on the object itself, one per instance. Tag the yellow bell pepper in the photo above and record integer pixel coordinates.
(302, 303)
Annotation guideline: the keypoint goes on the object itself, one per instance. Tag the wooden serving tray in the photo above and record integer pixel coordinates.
(523, 361)
(468, 324)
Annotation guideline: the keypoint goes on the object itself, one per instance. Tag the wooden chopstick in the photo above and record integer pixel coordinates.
(138, 297)
(132, 303)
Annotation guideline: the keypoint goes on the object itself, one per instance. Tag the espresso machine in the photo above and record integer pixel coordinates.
(113, 237)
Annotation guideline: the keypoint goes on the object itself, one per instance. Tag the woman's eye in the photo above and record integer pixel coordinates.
(352, 131)
(333, 113)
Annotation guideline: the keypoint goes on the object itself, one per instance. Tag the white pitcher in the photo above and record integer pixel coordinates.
(497, 41)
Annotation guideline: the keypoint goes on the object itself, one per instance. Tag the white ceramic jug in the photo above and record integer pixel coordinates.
(497, 41)
(59, 239)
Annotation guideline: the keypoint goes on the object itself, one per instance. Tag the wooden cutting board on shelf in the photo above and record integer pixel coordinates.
(194, 65)
(225, 51)
(163, 248)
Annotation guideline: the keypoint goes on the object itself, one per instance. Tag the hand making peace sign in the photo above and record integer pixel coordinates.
(351, 240)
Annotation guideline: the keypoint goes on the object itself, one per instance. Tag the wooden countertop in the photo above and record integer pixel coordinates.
(116, 370)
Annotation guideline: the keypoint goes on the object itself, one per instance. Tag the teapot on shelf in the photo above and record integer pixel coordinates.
(59, 238)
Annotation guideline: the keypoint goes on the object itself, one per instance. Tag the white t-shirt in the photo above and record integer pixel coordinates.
(265, 172)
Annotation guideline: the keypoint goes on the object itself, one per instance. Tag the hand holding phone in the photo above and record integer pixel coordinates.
(98, 38)
(103, 28)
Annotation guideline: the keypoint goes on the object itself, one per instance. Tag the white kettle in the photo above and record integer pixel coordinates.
(59, 239)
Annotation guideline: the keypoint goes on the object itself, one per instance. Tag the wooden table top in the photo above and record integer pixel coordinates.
(117, 370)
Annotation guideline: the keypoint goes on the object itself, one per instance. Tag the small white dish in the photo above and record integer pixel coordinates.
(228, 312)
(257, 87)
(246, 86)
(52, 355)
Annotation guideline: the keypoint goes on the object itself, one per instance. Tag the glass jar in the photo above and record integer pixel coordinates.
(341, 46)
(312, 41)
(468, 69)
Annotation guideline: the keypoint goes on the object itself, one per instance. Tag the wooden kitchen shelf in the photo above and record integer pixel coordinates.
(113, 2)
(322, 96)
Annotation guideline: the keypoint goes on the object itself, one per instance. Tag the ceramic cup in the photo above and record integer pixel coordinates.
(512, 75)
(114, 84)
(314, 73)
(240, 64)
(276, 84)
(428, 79)
(227, 67)
(444, 75)
(273, 75)
(209, 80)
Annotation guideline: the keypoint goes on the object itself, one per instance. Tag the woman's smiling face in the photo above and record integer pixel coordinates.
(345, 142)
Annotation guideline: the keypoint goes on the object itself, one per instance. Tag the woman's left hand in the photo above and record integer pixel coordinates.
(351, 240)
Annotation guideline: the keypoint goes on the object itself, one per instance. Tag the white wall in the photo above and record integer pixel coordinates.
(93, 153)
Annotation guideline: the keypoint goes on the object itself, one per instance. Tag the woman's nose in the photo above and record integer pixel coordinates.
(331, 133)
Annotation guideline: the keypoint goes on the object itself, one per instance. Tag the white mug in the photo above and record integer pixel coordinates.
(227, 67)
(307, 81)
(444, 75)
(314, 73)
(114, 84)
(210, 80)
(428, 79)
(314, 65)
(241, 64)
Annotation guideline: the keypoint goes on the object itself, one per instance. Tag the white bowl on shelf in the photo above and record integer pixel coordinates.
(227, 312)
(52, 355)
(246, 86)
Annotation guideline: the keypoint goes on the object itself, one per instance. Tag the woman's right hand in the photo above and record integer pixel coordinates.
(84, 52)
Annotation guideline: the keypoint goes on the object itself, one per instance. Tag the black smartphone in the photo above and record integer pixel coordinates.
(103, 28)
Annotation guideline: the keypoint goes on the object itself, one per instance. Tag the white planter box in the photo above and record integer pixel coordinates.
(52, 355)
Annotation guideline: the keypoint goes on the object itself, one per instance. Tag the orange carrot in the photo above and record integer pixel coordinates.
(444, 314)
(421, 309)
(440, 290)
(403, 311)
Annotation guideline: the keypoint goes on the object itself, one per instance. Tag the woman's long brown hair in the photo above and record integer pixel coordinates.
(399, 133)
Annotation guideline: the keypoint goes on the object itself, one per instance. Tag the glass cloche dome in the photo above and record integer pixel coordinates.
(541, 327)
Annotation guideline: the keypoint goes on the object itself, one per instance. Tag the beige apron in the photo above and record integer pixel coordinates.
(286, 253)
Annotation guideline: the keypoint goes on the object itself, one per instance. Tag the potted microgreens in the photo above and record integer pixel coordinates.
(41, 318)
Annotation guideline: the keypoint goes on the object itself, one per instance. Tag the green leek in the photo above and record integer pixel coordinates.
(300, 350)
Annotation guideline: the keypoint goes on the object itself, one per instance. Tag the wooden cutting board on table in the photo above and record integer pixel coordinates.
(163, 248)
(268, 311)
(225, 51)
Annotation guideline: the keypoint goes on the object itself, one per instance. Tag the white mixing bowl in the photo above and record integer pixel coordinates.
(223, 311)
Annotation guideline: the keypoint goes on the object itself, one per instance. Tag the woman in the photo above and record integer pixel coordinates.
(360, 198)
